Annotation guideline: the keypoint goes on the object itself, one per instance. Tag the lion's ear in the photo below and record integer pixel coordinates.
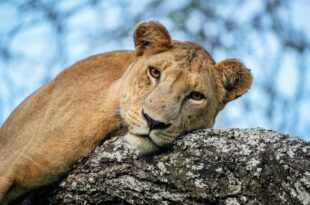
(235, 78)
(151, 37)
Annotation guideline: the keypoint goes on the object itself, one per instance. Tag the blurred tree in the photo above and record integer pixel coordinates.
(38, 38)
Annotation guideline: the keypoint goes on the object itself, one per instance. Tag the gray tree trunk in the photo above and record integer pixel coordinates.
(228, 166)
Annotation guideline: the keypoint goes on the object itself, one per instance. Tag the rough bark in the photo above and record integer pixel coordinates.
(228, 166)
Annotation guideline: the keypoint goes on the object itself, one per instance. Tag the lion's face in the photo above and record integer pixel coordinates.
(173, 87)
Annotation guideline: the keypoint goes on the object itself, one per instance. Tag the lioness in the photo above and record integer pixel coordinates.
(161, 90)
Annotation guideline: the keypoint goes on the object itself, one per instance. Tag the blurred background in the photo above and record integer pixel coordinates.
(39, 38)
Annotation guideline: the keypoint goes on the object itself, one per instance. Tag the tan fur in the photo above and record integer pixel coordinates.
(68, 117)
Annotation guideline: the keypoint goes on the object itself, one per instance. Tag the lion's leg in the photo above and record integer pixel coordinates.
(6, 182)
(14, 193)
(9, 191)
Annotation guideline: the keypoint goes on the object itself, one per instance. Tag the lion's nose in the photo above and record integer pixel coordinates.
(154, 124)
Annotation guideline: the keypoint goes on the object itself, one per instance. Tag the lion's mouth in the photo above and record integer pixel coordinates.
(146, 137)
(141, 135)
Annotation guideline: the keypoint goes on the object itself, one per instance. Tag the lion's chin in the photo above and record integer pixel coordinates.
(143, 144)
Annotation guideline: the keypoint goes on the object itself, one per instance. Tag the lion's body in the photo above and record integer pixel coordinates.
(62, 121)
(68, 117)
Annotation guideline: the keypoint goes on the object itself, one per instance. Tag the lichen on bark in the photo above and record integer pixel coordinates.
(210, 166)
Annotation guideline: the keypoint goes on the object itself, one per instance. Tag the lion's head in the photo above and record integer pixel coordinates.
(173, 87)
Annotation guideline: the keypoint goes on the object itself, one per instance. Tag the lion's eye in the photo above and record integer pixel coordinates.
(196, 96)
(154, 72)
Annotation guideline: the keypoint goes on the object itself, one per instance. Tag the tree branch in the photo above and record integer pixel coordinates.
(229, 166)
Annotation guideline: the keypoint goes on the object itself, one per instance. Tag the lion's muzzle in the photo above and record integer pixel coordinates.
(154, 124)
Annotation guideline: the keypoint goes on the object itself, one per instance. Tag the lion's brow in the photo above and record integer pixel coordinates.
(190, 60)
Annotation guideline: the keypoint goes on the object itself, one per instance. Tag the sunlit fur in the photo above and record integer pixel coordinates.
(96, 97)
(185, 67)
